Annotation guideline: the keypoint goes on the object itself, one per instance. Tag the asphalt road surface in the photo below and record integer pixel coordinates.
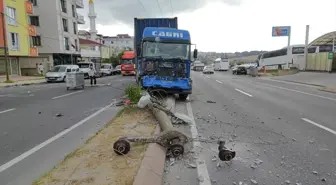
(283, 133)
(30, 115)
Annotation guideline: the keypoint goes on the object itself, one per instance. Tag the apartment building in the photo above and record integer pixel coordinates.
(19, 31)
(56, 23)
(119, 43)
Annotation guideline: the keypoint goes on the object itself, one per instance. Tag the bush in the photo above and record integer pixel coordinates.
(133, 92)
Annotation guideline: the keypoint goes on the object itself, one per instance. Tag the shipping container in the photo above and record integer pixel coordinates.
(141, 23)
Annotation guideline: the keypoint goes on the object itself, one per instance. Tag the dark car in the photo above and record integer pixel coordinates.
(239, 70)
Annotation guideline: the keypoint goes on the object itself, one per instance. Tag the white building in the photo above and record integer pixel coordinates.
(120, 42)
(57, 33)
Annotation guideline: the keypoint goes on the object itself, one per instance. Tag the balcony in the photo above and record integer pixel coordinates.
(90, 53)
(29, 7)
(79, 3)
(32, 30)
(33, 52)
(80, 19)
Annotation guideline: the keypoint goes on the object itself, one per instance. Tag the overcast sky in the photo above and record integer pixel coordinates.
(222, 25)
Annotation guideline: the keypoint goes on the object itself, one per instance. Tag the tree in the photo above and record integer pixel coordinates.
(114, 59)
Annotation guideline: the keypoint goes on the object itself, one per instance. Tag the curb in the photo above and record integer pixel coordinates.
(304, 83)
(152, 167)
(326, 89)
(23, 84)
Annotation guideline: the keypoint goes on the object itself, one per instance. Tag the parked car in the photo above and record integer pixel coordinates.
(238, 70)
(208, 70)
(118, 69)
(58, 73)
(107, 70)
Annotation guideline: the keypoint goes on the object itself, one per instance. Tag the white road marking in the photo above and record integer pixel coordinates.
(328, 98)
(50, 140)
(218, 81)
(244, 92)
(202, 170)
(64, 95)
(4, 111)
(320, 126)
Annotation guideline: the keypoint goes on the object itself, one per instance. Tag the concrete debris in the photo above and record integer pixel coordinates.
(172, 161)
(200, 178)
(192, 165)
(254, 181)
(258, 161)
(59, 115)
(287, 182)
(213, 181)
(323, 180)
(298, 183)
(311, 141)
(178, 177)
(240, 183)
(209, 101)
(234, 183)
(214, 159)
(218, 165)
(253, 166)
(315, 172)
(144, 101)
(183, 117)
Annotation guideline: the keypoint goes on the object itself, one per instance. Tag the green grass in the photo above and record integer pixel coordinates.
(133, 92)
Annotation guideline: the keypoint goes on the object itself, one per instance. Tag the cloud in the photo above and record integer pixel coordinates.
(123, 11)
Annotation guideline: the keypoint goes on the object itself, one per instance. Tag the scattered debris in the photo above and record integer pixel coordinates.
(192, 165)
(258, 161)
(315, 172)
(213, 181)
(178, 177)
(209, 101)
(172, 161)
(323, 180)
(287, 182)
(59, 115)
(200, 178)
(254, 181)
(311, 141)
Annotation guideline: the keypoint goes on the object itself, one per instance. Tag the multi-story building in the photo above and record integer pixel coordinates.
(18, 31)
(56, 23)
(120, 42)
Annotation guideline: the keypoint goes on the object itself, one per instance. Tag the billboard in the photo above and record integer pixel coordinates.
(280, 31)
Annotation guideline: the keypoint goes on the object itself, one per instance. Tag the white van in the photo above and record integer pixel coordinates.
(58, 73)
(106, 69)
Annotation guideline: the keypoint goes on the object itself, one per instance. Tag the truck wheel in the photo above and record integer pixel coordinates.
(183, 96)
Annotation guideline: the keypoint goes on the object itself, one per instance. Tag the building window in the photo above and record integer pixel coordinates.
(36, 40)
(75, 28)
(34, 20)
(65, 25)
(76, 45)
(14, 41)
(73, 11)
(66, 43)
(63, 6)
(11, 15)
(34, 2)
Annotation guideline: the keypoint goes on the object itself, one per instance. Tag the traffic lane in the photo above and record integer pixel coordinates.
(23, 96)
(30, 125)
(273, 145)
(313, 106)
(309, 89)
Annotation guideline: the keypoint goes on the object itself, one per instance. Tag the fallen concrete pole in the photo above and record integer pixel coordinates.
(169, 138)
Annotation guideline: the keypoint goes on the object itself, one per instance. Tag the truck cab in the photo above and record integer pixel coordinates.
(165, 60)
(127, 62)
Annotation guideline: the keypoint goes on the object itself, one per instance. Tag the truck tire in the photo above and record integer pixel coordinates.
(183, 96)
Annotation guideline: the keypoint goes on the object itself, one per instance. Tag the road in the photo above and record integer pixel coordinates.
(30, 115)
(283, 133)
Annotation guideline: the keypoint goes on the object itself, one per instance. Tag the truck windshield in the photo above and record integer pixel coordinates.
(127, 61)
(166, 50)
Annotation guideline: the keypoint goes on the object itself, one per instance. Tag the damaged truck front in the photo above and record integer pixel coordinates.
(163, 56)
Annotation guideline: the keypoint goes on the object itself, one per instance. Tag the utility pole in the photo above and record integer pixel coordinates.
(5, 44)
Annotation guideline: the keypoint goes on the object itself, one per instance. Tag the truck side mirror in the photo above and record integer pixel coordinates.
(195, 53)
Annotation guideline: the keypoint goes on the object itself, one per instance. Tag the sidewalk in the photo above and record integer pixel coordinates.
(325, 81)
(21, 80)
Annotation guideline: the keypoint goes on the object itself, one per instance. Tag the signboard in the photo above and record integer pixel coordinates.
(330, 55)
(280, 31)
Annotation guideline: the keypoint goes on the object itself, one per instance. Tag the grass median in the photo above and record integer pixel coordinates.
(96, 163)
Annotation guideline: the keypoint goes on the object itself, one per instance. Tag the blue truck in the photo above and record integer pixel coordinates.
(163, 56)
